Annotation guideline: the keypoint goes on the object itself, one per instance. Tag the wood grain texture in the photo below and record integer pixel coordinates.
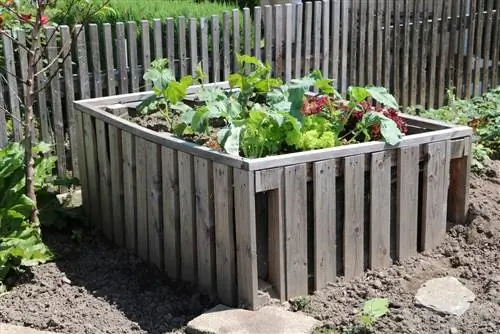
(458, 193)
(117, 192)
(109, 56)
(129, 190)
(141, 179)
(154, 206)
(89, 142)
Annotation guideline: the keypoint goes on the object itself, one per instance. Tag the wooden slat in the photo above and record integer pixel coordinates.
(278, 41)
(325, 35)
(104, 179)
(46, 130)
(95, 59)
(170, 43)
(308, 19)
(171, 214)
(371, 29)
(335, 11)
(23, 57)
(89, 142)
(354, 171)
(82, 163)
(69, 97)
(226, 57)
(154, 204)
(236, 39)
(387, 44)
(246, 237)
(434, 195)
(141, 196)
(288, 42)
(458, 193)
(478, 55)
(407, 202)
(117, 192)
(247, 29)
(396, 54)
(487, 32)
(276, 234)
(257, 34)
(296, 230)
(362, 27)
(268, 34)
(325, 236)
(354, 40)
(444, 54)
(215, 48)
(129, 190)
(193, 43)
(110, 63)
(461, 48)
(133, 58)
(204, 46)
(414, 51)
(495, 54)
(182, 46)
(298, 41)
(3, 120)
(57, 112)
(146, 51)
(157, 37)
(317, 36)
(468, 77)
(225, 252)
(405, 75)
(121, 50)
(187, 217)
(205, 226)
(454, 29)
(14, 101)
(344, 47)
(380, 210)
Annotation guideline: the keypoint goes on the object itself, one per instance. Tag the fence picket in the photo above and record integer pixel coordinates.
(405, 75)
(14, 97)
(298, 41)
(215, 49)
(121, 51)
(307, 38)
(470, 48)
(288, 42)
(444, 54)
(110, 63)
(325, 36)
(95, 60)
(387, 44)
(158, 44)
(335, 10)
(170, 44)
(478, 56)
(226, 57)
(236, 38)
(317, 35)
(204, 46)
(487, 46)
(278, 40)
(247, 28)
(182, 46)
(133, 61)
(344, 47)
(415, 35)
(362, 32)
(193, 44)
(268, 33)
(371, 30)
(146, 52)
(495, 55)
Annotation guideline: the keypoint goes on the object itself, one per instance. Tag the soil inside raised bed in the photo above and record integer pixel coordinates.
(94, 287)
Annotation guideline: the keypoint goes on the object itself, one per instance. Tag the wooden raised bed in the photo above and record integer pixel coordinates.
(296, 221)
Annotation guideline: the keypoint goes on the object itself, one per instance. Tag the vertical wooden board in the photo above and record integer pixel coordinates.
(129, 190)
(405, 75)
(247, 30)
(296, 230)
(110, 62)
(396, 54)
(407, 202)
(104, 179)
(278, 39)
(3, 120)
(236, 39)
(146, 51)
(157, 37)
(414, 49)
(461, 48)
(257, 34)
(225, 252)
(453, 42)
(154, 200)
(433, 53)
(298, 41)
(15, 108)
(344, 47)
(133, 61)
(276, 236)
(170, 43)
(470, 42)
(141, 197)
(23, 56)
(354, 186)
(187, 217)
(121, 51)
(307, 37)
(335, 11)
(226, 57)
(458, 193)
(89, 143)
(268, 34)
(487, 33)
(182, 46)
(389, 5)
(495, 53)
(79, 152)
(215, 49)
(370, 41)
(193, 44)
(42, 103)
(325, 236)
(380, 210)
(57, 112)
(354, 41)
(246, 237)
(69, 96)
(95, 58)
(434, 196)
(362, 42)
(444, 54)
(325, 55)
(288, 42)
(205, 226)
(117, 194)
(204, 46)
(478, 56)
(317, 36)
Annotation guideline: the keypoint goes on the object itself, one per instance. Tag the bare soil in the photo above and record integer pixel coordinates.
(94, 287)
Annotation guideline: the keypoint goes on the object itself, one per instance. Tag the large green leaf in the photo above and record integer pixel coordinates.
(383, 96)
(359, 94)
(376, 308)
(229, 138)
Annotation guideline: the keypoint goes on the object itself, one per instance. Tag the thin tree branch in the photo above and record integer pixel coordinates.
(5, 33)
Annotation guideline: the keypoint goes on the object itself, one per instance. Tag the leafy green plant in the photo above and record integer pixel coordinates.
(372, 310)
(299, 303)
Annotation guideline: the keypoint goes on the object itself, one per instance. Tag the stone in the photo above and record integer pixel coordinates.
(12, 329)
(269, 319)
(445, 295)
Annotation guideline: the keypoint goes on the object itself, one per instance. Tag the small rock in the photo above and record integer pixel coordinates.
(377, 284)
(453, 330)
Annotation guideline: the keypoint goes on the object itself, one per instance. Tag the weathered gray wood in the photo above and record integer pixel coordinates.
(307, 37)
(461, 48)
(380, 210)
(362, 42)
(354, 206)
(121, 50)
(57, 112)
(288, 42)
(23, 56)
(458, 193)
(407, 202)
(205, 226)
(89, 142)
(141, 196)
(146, 50)
(154, 204)
(129, 190)
(278, 41)
(82, 163)
(317, 36)
(371, 29)
(215, 49)
(405, 75)
(247, 28)
(182, 46)
(344, 47)
(444, 54)
(117, 192)
(133, 58)
(157, 36)
(42, 103)
(225, 252)
(495, 54)
(268, 34)
(104, 179)
(389, 5)
(414, 64)
(487, 32)
(171, 213)
(471, 36)
(170, 42)
(325, 236)
(14, 96)
(298, 41)
(226, 57)
(110, 63)
(95, 58)
(193, 43)
(296, 230)
(246, 237)
(325, 35)
(354, 40)
(236, 39)
(204, 46)
(335, 11)
(187, 217)
(396, 54)
(257, 34)
(434, 195)
(478, 55)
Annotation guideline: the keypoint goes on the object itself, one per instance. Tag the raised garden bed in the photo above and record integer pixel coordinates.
(295, 221)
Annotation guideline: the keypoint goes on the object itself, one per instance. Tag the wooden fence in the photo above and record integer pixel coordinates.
(417, 54)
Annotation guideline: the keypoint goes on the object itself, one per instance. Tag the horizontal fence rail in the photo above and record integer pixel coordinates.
(417, 49)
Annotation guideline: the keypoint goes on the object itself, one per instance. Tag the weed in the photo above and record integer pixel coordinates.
(299, 303)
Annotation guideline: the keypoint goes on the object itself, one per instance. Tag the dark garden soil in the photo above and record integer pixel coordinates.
(94, 287)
